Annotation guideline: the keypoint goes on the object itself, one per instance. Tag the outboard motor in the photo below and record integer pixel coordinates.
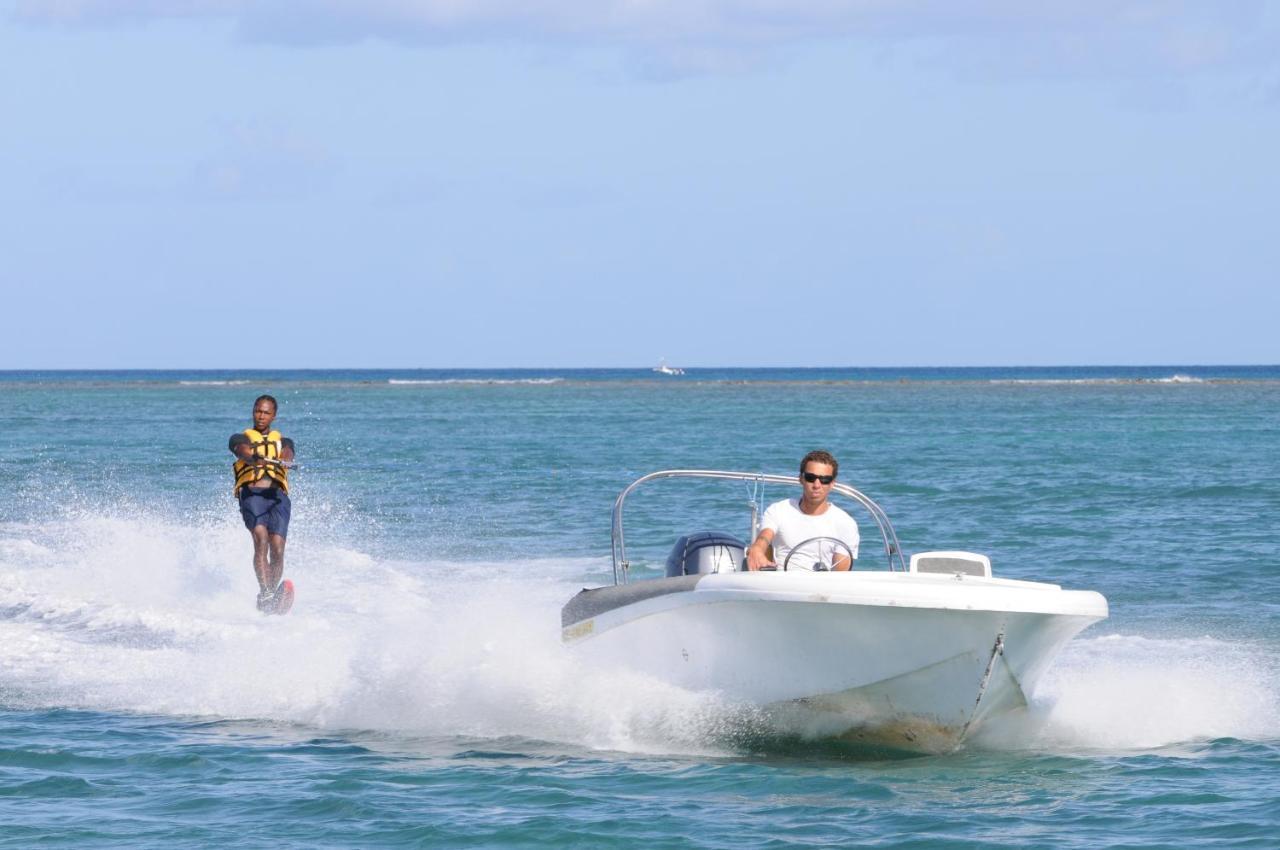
(705, 552)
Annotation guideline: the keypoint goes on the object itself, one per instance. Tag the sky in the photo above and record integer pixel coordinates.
(604, 183)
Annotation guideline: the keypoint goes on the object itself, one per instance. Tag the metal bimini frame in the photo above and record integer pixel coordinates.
(622, 567)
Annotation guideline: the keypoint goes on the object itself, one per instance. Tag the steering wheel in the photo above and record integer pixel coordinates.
(836, 545)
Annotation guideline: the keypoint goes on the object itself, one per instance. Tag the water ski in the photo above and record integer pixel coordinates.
(283, 600)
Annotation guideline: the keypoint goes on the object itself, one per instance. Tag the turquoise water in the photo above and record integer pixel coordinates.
(418, 694)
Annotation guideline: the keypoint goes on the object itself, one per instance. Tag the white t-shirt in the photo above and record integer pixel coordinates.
(792, 526)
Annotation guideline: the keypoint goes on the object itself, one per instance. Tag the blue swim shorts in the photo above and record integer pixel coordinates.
(269, 507)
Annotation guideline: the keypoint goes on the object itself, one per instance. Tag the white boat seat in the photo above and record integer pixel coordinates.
(951, 563)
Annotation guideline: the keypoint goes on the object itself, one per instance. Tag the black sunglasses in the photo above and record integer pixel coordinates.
(811, 477)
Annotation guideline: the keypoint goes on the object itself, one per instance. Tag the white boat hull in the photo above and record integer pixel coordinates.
(904, 660)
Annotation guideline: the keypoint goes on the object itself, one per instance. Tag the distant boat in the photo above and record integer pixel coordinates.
(663, 369)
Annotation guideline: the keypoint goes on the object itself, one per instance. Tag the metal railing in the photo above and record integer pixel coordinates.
(621, 567)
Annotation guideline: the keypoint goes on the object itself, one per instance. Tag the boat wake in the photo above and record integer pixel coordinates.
(105, 613)
(1127, 692)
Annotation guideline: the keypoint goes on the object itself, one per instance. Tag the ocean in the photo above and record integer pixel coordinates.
(418, 694)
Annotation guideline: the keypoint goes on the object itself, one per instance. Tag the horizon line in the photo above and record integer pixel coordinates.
(257, 370)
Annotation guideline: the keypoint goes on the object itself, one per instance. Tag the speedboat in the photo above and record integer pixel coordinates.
(913, 655)
(663, 369)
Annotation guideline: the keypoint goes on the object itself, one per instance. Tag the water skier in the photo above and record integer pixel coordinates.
(261, 470)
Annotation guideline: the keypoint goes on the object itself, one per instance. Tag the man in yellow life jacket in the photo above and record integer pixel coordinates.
(261, 468)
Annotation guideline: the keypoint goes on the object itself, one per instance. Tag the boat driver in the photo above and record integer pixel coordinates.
(790, 522)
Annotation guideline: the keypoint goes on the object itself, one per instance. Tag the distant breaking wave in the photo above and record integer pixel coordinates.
(407, 381)
(1172, 379)
(235, 383)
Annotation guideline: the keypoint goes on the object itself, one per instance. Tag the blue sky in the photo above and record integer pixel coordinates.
(457, 183)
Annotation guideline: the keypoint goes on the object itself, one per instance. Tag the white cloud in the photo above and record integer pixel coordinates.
(1052, 36)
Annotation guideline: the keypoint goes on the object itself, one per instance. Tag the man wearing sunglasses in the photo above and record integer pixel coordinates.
(791, 522)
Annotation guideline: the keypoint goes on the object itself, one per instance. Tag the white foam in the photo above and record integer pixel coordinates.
(1128, 692)
(108, 613)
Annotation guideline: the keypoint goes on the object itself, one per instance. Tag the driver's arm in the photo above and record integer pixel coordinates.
(849, 537)
(758, 552)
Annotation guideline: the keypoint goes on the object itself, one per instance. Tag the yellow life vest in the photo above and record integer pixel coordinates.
(268, 447)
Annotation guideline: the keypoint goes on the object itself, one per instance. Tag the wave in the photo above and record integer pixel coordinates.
(487, 381)
(108, 613)
(227, 383)
(1171, 379)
